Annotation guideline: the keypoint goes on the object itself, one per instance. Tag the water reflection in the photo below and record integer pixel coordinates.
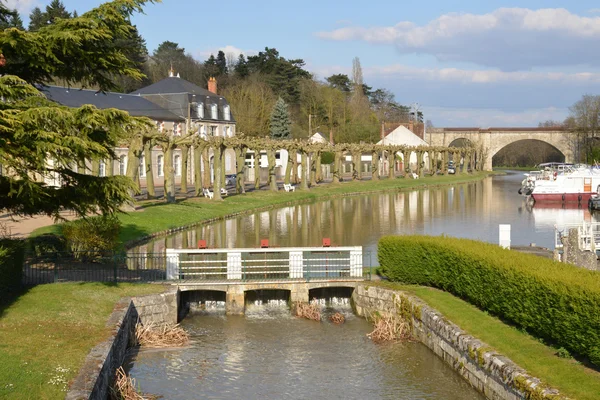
(472, 210)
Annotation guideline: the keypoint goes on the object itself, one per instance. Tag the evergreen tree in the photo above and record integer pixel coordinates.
(56, 9)
(36, 19)
(43, 139)
(11, 20)
(211, 68)
(241, 68)
(221, 63)
(340, 81)
(280, 121)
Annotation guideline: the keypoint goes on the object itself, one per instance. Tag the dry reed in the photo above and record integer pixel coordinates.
(389, 328)
(161, 336)
(308, 311)
(337, 318)
(124, 388)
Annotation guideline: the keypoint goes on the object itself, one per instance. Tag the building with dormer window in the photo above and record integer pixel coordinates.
(175, 105)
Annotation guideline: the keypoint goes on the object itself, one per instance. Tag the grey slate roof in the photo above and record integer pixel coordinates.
(181, 97)
(135, 105)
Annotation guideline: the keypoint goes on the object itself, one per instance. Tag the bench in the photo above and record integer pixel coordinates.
(289, 187)
(208, 193)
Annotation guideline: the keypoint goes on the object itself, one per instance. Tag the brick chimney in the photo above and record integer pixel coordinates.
(212, 85)
(411, 126)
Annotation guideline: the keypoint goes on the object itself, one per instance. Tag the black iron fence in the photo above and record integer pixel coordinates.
(153, 267)
(92, 267)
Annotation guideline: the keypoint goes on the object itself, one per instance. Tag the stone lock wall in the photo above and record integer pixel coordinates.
(494, 375)
(98, 371)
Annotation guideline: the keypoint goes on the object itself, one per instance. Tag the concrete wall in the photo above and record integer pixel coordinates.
(489, 372)
(98, 371)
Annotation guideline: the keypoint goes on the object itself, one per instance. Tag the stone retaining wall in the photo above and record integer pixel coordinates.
(489, 372)
(98, 371)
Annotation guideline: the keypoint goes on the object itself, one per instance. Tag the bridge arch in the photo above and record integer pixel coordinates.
(527, 152)
(492, 140)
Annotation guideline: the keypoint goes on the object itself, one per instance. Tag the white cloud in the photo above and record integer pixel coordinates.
(24, 7)
(399, 71)
(594, 11)
(229, 50)
(507, 38)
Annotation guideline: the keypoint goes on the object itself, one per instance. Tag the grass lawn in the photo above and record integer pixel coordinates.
(570, 377)
(157, 216)
(46, 333)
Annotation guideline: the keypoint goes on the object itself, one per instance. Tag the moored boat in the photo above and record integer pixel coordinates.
(572, 185)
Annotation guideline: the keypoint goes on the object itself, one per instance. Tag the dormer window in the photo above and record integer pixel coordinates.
(177, 129)
(160, 125)
(226, 113)
(200, 110)
(213, 111)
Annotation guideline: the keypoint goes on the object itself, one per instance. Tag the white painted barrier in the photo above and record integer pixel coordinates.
(265, 263)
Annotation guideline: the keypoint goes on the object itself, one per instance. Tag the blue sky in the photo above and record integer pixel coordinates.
(466, 63)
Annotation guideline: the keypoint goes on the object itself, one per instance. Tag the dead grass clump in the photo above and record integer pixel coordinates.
(161, 336)
(124, 388)
(389, 328)
(308, 311)
(337, 318)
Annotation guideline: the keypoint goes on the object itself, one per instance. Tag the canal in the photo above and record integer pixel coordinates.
(269, 354)
(471, 210)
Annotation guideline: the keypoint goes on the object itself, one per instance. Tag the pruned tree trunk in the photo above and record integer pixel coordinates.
(305, 168)
(206, 165)
(185, 151)
(256, 169)
(295, 177)
(319, 172)
(149, 171)
(445, 162)
(337, 158)
(218, 169)
(420, 163)
(197, 170)
(289, 167)
(169, 183)
(240, 178)
(356, 173)
(392, 164)
(272, 177)
(374, 165)
(313, 169)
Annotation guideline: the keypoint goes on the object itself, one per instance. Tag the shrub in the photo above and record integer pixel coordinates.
(549, 299)
(89, 236)
(11, 265)
(327, 157)
(46, 245)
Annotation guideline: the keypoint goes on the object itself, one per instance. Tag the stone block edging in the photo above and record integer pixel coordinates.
(491, 373)
(96, 376)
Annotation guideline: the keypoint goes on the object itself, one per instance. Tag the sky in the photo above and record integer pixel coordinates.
(467, 63)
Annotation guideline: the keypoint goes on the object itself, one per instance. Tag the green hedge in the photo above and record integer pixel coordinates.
(11, 266)
(552, 300)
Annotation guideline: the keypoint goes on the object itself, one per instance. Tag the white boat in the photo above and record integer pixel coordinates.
(544, 171)
(574, 184)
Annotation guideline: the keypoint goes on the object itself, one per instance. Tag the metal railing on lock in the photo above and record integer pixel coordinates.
(589, 235)
(265, 264)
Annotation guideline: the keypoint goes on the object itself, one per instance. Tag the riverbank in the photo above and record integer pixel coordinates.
(155, 218)
(47, 332)
(569, 376)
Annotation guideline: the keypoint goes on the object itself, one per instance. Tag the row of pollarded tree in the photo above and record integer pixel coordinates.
(310, 156)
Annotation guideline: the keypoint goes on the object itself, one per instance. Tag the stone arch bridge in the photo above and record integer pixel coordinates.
(495, 139)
